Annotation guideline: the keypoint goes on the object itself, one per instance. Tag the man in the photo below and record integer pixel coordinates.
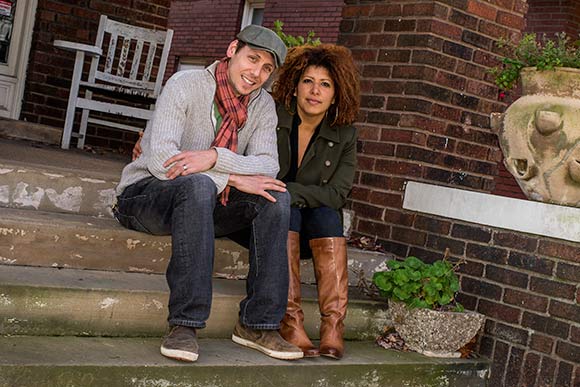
(207, 169)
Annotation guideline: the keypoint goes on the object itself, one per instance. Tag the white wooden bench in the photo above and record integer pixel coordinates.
(134, 66)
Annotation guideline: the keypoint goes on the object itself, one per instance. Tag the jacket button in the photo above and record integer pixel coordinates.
(278, 128)
(330, 144)
(327, 163)
(324, 181)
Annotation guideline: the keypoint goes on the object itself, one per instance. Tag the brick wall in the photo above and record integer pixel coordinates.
(203, 33)
(302, 16)
(528, 289)
(425, 116)
(203, 29)
(549, 17)
(50, 70)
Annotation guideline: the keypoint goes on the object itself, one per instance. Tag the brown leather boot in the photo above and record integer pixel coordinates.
(330, 268)
(292, 326)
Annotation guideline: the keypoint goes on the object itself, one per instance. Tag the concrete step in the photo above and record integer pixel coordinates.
(45, 178)
(112, 362)
(46, 301)
(22, 130)
(38, 238)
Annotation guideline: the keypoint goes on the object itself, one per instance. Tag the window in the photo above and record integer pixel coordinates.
(253, 13)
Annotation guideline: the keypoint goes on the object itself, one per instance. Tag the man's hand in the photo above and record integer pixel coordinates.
(188, 162)
(257, 185)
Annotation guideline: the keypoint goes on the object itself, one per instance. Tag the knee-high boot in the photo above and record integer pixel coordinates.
(292, 326)
(330, 268)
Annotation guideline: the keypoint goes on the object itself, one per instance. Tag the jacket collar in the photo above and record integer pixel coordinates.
(326, 131)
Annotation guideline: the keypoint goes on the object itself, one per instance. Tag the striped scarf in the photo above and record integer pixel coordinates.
(234, 112)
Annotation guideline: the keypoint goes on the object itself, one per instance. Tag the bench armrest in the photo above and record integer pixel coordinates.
(91, 50)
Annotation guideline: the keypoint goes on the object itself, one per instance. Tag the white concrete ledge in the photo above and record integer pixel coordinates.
(549, 220)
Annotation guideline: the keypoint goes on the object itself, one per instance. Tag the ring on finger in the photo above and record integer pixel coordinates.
(184, 167)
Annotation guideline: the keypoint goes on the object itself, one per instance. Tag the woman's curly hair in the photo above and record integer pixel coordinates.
(337, 60)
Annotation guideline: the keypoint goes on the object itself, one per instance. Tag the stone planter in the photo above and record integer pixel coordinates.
(540, 136)
(433, 333)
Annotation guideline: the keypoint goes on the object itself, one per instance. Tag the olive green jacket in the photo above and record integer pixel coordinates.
(326, 174)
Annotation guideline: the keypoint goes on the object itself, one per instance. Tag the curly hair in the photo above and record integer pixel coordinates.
(337, 60)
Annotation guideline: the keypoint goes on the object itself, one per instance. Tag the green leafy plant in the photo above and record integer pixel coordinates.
(544, 54)
(293, 41)
(419, 284)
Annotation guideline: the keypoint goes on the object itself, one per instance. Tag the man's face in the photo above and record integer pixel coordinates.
(248, 69)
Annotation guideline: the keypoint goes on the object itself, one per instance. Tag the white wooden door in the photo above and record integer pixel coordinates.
(16, 22)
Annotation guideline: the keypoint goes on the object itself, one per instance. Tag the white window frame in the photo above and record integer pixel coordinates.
(249, 7)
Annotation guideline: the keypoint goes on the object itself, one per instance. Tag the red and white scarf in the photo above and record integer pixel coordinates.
(234, 112)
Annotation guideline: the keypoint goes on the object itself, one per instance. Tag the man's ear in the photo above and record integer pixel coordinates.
(232, 48)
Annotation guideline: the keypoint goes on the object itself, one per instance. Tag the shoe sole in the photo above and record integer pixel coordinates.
(275, 354)
(179, 355)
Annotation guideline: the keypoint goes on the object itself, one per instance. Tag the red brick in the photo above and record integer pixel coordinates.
(553, 288)
(545, 324)
(408, 236)
(471, 233)
(374, 228)
(499, 311)
(386, 199)
(367, 26)
(481, 288)
(547, 372)
(360, 193)
(510, 20)
(530, 262)
(565, 311)
(565, 370)
(433, 225)
(480, 8)
(486, 253)
(403, 136)
(553, 249)
(568, 272)
(530, 369)
(525, 300)
(507, 277)
(387, 10)
(399, 217)
(356, 11)
(446, 112)
(398, 168)
(441, 143)
(367, 211)
(441, 243)
(541, 343)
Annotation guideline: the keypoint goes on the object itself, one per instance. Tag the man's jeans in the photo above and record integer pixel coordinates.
(187, 208)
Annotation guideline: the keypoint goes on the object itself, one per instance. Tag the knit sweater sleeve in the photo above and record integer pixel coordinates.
(167, 127)
(260, 156)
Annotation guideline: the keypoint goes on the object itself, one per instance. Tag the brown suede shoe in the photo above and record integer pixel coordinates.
(180, 344)
(266, 341)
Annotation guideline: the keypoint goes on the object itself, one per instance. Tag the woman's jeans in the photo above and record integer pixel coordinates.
(187, 208)
(313, 223)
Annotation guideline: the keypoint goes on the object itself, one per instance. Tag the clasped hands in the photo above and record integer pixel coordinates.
(189, 162)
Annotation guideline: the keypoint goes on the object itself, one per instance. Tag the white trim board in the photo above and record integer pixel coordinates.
(549, 220)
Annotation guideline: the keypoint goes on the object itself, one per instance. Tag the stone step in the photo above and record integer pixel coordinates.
(120, 362)
(40, 177)
(22, 130)
(52, 302)
(38, 238)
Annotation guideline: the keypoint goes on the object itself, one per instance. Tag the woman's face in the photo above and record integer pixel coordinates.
(314, 93)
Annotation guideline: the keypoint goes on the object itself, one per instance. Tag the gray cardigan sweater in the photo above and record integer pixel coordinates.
(183, 121)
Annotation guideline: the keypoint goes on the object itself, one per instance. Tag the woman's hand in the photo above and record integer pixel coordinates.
(137, 150)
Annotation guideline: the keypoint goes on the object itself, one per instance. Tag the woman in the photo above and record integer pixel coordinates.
(317, 92)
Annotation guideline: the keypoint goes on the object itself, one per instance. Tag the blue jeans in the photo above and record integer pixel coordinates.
(313, 223)
(187, 208)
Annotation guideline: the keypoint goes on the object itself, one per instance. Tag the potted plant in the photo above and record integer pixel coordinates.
(423, 306)
(538, 133)
(530, 56)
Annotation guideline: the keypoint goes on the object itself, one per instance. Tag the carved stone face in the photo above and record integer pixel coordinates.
(540, 140)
